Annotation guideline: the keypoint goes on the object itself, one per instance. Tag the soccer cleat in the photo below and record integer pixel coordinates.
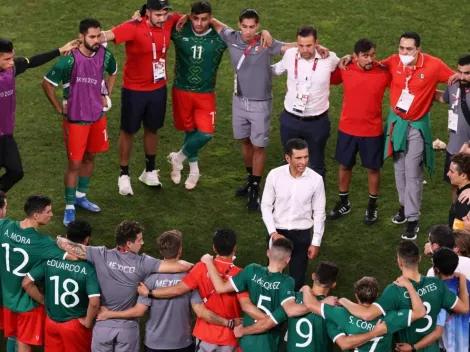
(253, 198)
(371, 215)
(69, 216)
(177, 167)
(124, 184)
(150, 178)
(400, 217)
(339, 211)
(84, 203)
(244, 190)
(191, 181)
(411, 232)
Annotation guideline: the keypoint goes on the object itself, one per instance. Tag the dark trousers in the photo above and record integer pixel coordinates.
(10, 160)
(315, 133)
(190, 348)
(299, 259)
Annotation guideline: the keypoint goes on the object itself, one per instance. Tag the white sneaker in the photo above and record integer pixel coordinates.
(150, 178)
(191, 181)
(177, 167)
(124, 184)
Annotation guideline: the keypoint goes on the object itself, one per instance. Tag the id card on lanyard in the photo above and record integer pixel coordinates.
(158, 65)
(453, 117)
(301, 95)
(406, 98)
(240, 62)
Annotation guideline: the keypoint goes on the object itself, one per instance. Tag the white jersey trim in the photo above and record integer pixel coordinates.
(287, 299)
(455, 303)
(380, 307)
(274, 320)
(65, 256)
(337, 336)
(233, 284)
(53, 83)
(409, 317)
(322, 308)
(29, 275)
(94, 295)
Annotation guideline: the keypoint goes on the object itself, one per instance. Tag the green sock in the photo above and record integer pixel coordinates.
(70, 195)
(11, 345)
(195, 143)
(83, 183)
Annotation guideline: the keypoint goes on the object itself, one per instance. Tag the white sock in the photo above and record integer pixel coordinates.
(194, 168)
(80, 194)
(69, 206)
(180, 157)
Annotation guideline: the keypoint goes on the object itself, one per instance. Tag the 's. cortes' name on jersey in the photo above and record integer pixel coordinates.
(366, 325)
(265, 284)
(124, 268)
(66, 266)
(166, 283)
(424, 290)
(87, 80)
(17, 238)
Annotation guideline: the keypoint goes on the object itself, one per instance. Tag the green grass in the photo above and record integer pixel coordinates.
(359, 250)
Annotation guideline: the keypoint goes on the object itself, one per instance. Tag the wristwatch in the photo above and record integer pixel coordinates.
(149, 295)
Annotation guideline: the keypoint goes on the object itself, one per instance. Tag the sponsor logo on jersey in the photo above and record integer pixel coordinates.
(185, 39)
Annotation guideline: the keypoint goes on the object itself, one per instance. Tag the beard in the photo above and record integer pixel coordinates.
(94, 48)
(464, 83)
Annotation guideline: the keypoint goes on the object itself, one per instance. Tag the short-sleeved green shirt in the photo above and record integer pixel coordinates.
(21, 249)
(310, 332)
(350, 325)
(268, 291)
(68, 286)
(435, 295)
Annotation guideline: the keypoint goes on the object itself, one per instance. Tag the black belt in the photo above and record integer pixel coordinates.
(307, 118)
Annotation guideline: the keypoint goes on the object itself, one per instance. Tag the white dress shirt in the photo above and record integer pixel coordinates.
(463, 267)
(290, 203)
(315, 83)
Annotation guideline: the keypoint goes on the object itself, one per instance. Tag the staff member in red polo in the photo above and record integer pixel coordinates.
(144, 93)
(360, 125)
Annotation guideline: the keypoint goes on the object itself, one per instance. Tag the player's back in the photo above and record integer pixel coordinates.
(68, 286)
(119, 274)
(21, 249)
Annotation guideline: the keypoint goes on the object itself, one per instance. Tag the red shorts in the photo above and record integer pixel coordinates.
(70, 336)
(90, 138)
(28, 327)
(193, 110)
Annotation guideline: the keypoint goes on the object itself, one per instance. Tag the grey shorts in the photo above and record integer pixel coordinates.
(202, 346)
(106, 339)
(251, 119)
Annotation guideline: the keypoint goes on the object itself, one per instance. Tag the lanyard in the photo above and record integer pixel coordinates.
(314, 67)
(458, 97)
(154, 45)
(245, 53)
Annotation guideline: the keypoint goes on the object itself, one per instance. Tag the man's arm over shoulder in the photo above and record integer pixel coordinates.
(122, 33)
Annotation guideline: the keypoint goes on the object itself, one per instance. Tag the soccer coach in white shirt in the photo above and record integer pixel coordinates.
(293, 202)
(306, 104)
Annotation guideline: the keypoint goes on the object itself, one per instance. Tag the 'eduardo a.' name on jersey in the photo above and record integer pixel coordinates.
(422, 291)
(66, 266)
(17, 238)
(266, 284)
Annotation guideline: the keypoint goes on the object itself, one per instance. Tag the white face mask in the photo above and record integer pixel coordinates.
(407, 59)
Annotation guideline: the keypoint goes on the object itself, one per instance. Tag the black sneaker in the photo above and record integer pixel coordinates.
(371, 215)
(243, 190)
(253, 197)
(399, 218)
(339, 210)
(411, 232)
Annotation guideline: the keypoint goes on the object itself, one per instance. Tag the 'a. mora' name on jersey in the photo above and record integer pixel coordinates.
(66, 266)
(266, 284)
(17, 238)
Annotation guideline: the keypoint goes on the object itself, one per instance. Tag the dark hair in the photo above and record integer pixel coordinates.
(170, 243)
(326, 273)
(462, 163)
(143, 10)
(249, 14)
(200, 7)
(408, 252)
(464, 60)
(445, 260)
(78, 230)
(367, 289)
(412, 35)
(284, 244)
(36, 204)
(363, 45)
(6, 46)
(88, 23)
(3, 196)
(127, 231)
(224, 241)
(442, 235)
(295, 143)
(307, 31)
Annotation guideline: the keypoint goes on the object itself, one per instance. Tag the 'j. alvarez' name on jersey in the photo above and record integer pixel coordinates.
(266, 284)
(66, 266)
(17, 238)
(422, 291)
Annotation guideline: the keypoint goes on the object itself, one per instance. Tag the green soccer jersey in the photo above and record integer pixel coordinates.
(350, 325)
(21, 249)
(61, 72)
(435, 295)
(197, 59)
(310, 332)
(67, 285)
(268, 291)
